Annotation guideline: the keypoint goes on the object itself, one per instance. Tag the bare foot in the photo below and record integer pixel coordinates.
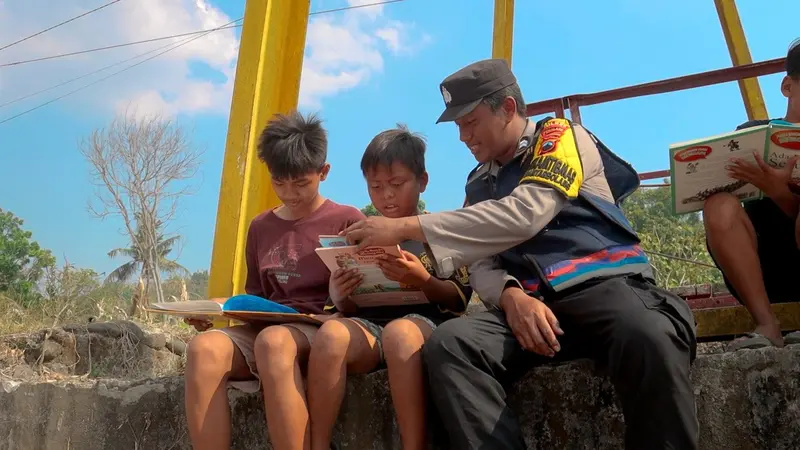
(771, 332)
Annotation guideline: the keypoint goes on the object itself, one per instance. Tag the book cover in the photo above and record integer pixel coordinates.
(375, 289)
(245, 308)
(698, 167)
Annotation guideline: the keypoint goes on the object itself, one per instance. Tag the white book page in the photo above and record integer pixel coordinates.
(699, 169)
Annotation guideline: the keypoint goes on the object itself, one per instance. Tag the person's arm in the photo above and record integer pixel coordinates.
(489, 280)
(252, 283)
(797, 231)
(553, 177)
(445, 294)
(789, 203)
(465, 235)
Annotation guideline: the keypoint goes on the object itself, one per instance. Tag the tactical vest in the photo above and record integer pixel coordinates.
(589, 238)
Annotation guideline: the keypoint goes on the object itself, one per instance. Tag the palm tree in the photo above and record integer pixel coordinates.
(137, 263)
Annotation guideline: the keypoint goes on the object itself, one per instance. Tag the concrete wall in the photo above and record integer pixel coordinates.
(746, 400)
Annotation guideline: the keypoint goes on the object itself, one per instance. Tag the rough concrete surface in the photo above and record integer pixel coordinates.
(747, 400)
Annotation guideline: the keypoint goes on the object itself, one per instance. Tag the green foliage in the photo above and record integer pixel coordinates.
(196, 286)
(370, 209)
(682, 236)
(22, 261)
(137, 257)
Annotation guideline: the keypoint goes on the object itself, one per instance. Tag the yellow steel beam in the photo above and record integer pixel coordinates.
(734, 320)
(220, 283)
(740, 54)
(274, 59)
(503, 34)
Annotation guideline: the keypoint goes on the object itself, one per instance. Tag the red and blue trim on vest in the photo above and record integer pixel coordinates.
(619, 260)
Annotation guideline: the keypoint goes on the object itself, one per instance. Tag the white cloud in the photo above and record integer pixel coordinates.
(343, 50)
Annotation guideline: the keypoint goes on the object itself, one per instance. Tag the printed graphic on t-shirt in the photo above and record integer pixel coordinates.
(282, 261)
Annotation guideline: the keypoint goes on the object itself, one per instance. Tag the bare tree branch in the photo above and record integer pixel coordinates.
(141, 168)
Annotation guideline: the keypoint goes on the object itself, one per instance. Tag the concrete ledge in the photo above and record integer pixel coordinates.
(746, 400)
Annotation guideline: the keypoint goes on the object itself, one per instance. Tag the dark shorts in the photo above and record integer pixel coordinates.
(375, 328)
(777, 251)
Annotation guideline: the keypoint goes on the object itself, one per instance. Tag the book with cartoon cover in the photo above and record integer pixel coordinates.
(375, 289)
(698, 167)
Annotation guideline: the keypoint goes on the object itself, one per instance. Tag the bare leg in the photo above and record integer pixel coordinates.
(402, 348)
(341, 346)
(733, 243)
(211, 360)
(281, 352)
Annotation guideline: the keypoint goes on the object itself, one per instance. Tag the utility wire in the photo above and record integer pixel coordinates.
(180, 44)
(191, 33)
(108, 47)
(18, 99)
(58, 25)
(677, 258)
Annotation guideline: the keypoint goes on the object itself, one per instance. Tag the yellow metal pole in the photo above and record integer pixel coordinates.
(740, 55)
(280, 65)
(220, 283)
(273, 55)
(503, 34)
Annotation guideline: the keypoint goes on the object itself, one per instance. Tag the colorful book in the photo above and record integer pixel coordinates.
(375, 289)
(698, 167)
(245, 308)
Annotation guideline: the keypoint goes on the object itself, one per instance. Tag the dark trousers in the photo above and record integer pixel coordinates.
(643, 336)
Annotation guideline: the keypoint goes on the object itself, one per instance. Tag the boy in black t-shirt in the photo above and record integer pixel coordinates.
(394, 167)
(754, 245)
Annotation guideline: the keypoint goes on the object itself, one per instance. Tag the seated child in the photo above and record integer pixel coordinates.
(394, 167)
(281, 266)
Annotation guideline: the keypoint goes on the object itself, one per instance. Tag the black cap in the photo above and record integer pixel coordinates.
(464, 90)
(793, 59)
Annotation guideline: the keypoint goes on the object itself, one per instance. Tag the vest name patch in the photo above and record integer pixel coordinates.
(553, 170)
(554, 161)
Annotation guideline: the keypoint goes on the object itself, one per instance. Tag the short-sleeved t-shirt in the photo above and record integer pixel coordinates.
(382, 315)
(282, 265)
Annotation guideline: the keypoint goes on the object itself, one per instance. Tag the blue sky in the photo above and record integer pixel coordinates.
(589, 47)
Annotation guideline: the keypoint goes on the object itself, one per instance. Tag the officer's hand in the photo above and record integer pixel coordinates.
(532, 322)
(374, 231)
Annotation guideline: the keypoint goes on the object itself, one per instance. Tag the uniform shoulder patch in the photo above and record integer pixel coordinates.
(554, 160)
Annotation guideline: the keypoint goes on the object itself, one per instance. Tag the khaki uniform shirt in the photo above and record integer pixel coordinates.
(476, 234)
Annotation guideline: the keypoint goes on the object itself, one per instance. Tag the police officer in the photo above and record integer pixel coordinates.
(557, 264)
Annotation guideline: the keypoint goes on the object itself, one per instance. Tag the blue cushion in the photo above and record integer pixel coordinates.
(253, 303)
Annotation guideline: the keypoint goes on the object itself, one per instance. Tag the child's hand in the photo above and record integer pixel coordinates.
(343, 283)
(407, 271)
(198, 324)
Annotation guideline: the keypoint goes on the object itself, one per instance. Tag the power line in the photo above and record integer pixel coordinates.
(355, 7)
(59, 24)
(191, 33)
(18, 99)
(108, 47)
(182, 43)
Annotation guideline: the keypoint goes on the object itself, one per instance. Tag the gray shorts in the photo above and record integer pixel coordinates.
(244, 338)
(377, 330)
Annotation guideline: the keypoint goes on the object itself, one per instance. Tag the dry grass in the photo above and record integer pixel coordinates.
(26, 329)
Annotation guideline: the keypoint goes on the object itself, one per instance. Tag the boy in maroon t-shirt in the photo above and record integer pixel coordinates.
(283, 267)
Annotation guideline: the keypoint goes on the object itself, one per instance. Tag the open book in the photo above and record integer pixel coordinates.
(375, 289)
(245, 308)
(698, 167)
